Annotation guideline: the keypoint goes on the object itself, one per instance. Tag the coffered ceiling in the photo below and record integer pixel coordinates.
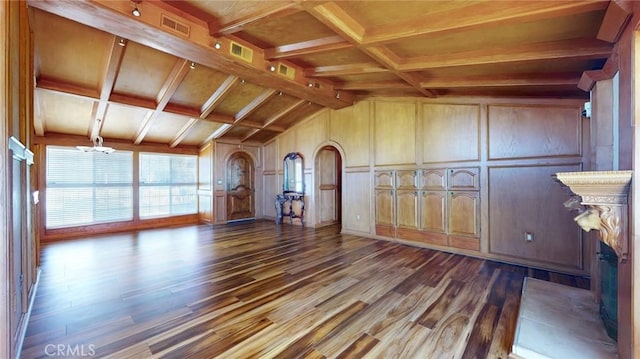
(186, 72)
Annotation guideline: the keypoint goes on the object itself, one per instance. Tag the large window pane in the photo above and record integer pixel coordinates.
(168, 185)
(87, 187)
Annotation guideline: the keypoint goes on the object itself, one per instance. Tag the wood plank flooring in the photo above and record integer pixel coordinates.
(259, 290)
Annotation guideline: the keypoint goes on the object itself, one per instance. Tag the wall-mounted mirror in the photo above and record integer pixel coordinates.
(293, 168)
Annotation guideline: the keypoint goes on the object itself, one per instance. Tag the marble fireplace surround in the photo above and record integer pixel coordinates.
(558, 321)
(601, 201)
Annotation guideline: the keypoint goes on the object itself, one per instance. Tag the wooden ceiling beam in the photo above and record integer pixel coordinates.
(273, 119)
(170, 86)
(255, 104)
(373, 85)
(320, 45)
(114, 60)
(255, 19)
(67, 88)
(338, 20)
(184, 132)
(569, 49)
(114, 16)
(614, 22)
(477, 16)
(249, 135)
(608, 71)
(347, 69)
(219, 95)
(332, 15)
(39, 121)
(551, 79)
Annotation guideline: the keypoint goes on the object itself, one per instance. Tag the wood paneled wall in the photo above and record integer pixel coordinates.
(517, 144)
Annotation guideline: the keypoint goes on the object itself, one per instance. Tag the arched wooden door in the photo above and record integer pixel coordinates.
(240, 190)
(329, 167)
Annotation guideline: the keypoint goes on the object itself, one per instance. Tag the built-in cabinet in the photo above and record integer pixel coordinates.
(434, 206)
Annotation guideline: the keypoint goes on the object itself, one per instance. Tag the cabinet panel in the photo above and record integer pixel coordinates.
(467, 179)
(434, 179)
(464, 211)
(407, 179)
(384, 179)
(385, 207)
(434, 211)
(407, 209)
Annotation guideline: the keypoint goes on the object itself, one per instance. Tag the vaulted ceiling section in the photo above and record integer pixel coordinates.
(186, 72)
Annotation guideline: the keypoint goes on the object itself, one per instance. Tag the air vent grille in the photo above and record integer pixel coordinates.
(175, 25)
(286, 71)
(241, 52)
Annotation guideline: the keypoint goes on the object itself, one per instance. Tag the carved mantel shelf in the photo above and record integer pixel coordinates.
(602, 202)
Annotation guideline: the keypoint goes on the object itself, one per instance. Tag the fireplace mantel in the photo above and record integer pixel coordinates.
(601, 202)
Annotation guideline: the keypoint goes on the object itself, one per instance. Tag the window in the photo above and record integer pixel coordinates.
(87, 187)
(168, 185)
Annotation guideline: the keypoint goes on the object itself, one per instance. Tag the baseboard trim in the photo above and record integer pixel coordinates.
(22, 332)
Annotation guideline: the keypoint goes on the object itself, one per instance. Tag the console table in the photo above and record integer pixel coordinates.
(281, 205)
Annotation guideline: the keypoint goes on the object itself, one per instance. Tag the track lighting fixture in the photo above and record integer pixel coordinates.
(192, 65)
(279, 93)
(135, 10)
(122, 43)
(310, 84)
(272, 67)
(217, 45)
(338, 94)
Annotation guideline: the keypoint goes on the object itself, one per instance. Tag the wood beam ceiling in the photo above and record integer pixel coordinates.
(114, 17)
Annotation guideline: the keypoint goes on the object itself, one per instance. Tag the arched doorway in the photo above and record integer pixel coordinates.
(240, 187)
(328, 164)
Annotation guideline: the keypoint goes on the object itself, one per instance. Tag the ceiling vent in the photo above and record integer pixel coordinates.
(242, 52)
(286, 71)
(174, 25)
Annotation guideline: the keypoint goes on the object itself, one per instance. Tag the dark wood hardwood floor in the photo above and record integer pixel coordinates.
(259, 290)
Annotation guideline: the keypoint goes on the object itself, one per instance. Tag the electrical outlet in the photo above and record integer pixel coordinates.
(528, 236)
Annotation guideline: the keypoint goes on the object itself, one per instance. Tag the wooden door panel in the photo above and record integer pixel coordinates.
(407, 207)
(434, 211)
(464, 178)
(328, 186)
(240, 179)
(434, 179)
(463, 213)
(407, 179)
(385, 207)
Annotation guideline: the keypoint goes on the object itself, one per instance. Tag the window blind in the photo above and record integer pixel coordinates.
(168, 185)
(84, 188)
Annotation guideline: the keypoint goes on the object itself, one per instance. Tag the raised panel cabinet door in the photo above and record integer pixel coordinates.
(407, 209)
(407, 179)
(385, 207)
(464, 213)
(466, 179)
(384, 179)
(434, 179)
(433, 216)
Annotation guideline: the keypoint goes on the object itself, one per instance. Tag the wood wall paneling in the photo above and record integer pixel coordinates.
(466, 179)
(270, 159)
(451, 132)
(527, 199)
(394, 133)
(356, 202)
(310, 134)
(270, 185)
(534, 131)
(205, 183)
(350, 128)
